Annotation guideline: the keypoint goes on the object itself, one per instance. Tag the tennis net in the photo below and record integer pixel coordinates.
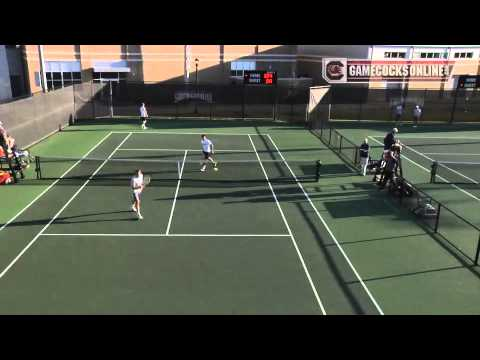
(117, 171)
(455, 172)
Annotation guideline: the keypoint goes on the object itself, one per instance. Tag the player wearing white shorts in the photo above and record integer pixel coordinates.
(207, 149)
(137, 186)
(143, 116)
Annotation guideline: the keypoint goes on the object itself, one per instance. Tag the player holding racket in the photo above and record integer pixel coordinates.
(207, 149)
(138, 183)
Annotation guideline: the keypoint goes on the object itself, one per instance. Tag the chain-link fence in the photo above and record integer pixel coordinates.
(355, 102)
(439, 219)
(114, 99)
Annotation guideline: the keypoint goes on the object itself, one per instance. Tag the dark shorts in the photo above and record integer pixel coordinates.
(143, 119)
(206, 154)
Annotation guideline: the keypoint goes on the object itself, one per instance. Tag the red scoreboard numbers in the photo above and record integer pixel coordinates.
(259, 77)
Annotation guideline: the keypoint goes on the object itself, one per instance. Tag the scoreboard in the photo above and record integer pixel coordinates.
(468, 82)
(258, 77)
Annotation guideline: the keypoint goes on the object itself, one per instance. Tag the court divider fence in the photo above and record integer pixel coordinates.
(123, 99)
(438, 218)
(360, 102)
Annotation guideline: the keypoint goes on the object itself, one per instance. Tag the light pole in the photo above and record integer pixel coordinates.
(196, 82)
(196, 71)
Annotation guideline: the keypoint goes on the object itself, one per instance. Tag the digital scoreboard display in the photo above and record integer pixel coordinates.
(256, 77)
(468, 82)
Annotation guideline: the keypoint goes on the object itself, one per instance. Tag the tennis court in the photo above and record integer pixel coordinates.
(457, 174)
(260, 236)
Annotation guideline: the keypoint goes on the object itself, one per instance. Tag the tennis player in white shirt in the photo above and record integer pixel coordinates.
(207, 149)
(143, 116)
(137, 186)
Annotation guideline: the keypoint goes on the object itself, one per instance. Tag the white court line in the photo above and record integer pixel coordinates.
(171, 235)
(312, 285)
(61, 210)
(176, 193)
(181, 133)
(379, 309)
(54, 183)
(451, 154)
(440, 177)
(443, 165)
(182, 150)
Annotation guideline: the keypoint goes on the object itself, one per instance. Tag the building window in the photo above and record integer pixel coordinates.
(430, 55)
(463, 55)
(395, 55)
(108, 76)
(238, 67)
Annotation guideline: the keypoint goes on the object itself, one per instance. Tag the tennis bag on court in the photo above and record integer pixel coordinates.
(5, 178)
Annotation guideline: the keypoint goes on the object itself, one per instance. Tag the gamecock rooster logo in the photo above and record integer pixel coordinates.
(334, 70)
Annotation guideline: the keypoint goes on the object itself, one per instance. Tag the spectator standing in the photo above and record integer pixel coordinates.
(3, 138)
(364, 149)
(398, 113)
(417, 113)
(391, 164)
(389, 140)
(143, 116)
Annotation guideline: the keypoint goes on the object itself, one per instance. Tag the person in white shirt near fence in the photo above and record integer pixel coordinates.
(417, 113)
(143, 116)
(398, 113)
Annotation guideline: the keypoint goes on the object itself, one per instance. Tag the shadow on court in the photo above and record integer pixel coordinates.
(64, 219)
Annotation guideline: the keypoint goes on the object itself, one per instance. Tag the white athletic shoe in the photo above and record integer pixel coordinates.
(140, 217)
(202, 169)
(134, 209)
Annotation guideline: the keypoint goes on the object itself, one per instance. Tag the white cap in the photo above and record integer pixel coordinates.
(395, 130)
(366, 140)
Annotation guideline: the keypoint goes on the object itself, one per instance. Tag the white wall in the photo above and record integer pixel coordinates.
(348, 51)
(5, 89)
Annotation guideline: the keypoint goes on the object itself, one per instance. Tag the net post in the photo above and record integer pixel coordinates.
(433, 172)
(357, 149)
(38, 168)
(437, 219)
(478, 251)
(340, 145)
(317, 174)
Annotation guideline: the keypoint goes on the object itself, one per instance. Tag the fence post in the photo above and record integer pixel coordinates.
(433, 172)
(478, 251)
(319, 165)
(243, 102)
(437, 219)
(92, 99)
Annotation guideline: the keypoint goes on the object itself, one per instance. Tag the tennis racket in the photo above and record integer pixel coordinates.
(146, 180)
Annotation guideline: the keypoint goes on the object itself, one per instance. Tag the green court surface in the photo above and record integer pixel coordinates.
(236, 241)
